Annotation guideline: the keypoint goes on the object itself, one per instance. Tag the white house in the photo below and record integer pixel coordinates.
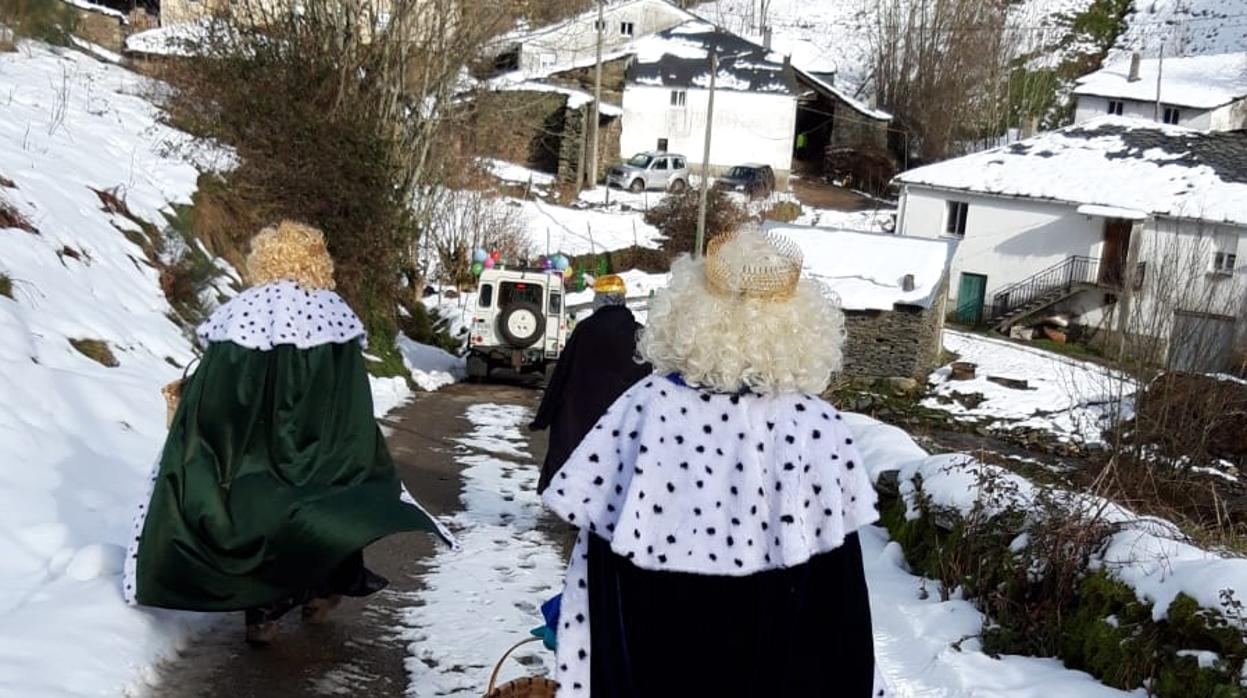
(666, 99)
(1115, 225)
(1208, 92)
(573, 42)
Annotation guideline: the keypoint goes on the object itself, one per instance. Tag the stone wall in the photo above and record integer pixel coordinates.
(575, 142)
(855, 130)
(901, 343)
(523, 127)
(101, 29)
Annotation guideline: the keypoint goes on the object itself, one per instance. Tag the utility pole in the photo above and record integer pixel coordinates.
(1160, 69)
(597, 95)
(700, 245)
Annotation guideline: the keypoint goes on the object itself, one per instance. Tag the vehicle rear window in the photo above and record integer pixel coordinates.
(519, 292)
(486, 297)
(556, 303)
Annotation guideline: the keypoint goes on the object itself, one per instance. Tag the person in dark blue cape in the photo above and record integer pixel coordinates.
(719, 501)
(597, 366)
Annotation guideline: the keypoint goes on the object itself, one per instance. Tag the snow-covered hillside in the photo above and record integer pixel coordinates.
(1186, 27)
(77, 437)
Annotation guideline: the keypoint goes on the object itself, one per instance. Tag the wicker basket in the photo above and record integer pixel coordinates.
(527, 687)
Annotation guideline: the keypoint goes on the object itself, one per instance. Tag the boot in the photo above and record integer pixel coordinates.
(261, 634)
(317, 611)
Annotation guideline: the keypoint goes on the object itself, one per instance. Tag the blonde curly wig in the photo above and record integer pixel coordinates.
(729, 343)
(290, 251)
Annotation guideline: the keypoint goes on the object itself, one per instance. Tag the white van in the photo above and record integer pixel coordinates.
(519, 323)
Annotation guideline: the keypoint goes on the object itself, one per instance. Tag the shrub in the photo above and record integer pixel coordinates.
(49, 21)
(676, 216)
(10, 217)
(783, 211)
(6, 285)
(97, 350)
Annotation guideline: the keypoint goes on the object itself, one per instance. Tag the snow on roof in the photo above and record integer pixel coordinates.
(170, 40)
(100, 9)
(575, 98)
(679, 57)
(1161, 170)
(858, 106)
(590, 15)
(868, 270)
(1201, 82)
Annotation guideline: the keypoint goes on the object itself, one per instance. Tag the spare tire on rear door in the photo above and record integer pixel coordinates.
(521, 324)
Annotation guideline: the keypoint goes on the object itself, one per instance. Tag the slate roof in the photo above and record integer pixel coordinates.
(1152, 168)
(680, 57)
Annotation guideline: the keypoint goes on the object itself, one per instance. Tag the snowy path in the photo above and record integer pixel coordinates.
(477, 602)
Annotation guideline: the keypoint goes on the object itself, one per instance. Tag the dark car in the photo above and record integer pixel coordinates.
(755, 180)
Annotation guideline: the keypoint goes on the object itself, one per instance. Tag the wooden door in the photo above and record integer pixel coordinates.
(1116, 251)
(970, 295)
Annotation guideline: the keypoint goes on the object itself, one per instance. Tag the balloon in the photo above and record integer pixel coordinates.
(496, 255)
(477, 268)
(480, 255)
(561, 262)
(546, 263)
(488, 263)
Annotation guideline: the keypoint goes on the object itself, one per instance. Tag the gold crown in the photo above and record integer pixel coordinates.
(610, 284)
(773, 275)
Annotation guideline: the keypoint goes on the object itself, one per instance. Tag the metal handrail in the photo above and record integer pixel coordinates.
(1062, 276)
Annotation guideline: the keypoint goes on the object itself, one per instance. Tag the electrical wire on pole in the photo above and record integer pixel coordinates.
(700, 244)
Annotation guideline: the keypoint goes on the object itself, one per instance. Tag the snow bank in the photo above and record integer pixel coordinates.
(1071, 399)
(78, 438)
(431, 368)
(178, 39)
(511, 172)
(577, 231)
(1191, 27)
(1147, 554)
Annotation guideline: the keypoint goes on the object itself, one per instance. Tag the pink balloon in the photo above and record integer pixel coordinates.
(489, 262)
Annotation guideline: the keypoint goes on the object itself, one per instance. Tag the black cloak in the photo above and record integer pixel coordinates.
(597, 366)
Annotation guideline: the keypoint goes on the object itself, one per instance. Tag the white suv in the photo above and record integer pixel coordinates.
(520, 322)
(651, 170)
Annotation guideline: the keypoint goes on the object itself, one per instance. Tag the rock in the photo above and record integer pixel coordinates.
(899, 385)
(963, 371)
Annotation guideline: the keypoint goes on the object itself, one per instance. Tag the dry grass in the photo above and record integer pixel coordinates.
(97, 350)
(10, 217)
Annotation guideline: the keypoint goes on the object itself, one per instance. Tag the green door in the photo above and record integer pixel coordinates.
(970, 295)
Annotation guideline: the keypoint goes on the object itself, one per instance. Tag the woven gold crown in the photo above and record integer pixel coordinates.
(772, 276)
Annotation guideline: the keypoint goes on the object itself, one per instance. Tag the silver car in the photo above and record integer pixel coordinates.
(650, 170)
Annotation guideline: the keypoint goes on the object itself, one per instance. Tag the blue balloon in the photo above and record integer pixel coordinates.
(479, 256)
(562, 263)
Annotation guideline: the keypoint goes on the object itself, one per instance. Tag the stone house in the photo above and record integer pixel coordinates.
(892, 290)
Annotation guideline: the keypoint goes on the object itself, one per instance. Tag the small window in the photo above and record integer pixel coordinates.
(1223, 263)
(626, 28)
(556, 303)
(598, 25)
(662, 145)
(679, 98)
(1115, 107)
(661, 164)
(1172, 115)
(958, 211)
(547, 59)
(486, 297)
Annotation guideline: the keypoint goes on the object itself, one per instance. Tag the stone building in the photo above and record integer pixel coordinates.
(892, 290)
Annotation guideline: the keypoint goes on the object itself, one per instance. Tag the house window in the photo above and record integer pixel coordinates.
(679, 98)
(598, 25)
(662, 145)
(626, 28)
(1172, 115)
(1223, 263)
(955, 224)
(547, 59)
(1115, 107)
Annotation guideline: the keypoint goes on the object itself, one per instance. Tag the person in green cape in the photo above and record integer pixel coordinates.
(274, 476)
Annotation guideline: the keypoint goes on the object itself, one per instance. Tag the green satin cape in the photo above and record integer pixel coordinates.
(273, 472)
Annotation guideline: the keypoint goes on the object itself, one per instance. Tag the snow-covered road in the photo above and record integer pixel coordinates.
(478, 602)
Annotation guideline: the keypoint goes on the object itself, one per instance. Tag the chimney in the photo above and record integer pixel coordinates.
(907, 282)
(1135, 61)
(766, 38)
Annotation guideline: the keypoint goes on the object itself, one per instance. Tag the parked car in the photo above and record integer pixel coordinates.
(519, 323)
(757, 181)
(651, 170)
